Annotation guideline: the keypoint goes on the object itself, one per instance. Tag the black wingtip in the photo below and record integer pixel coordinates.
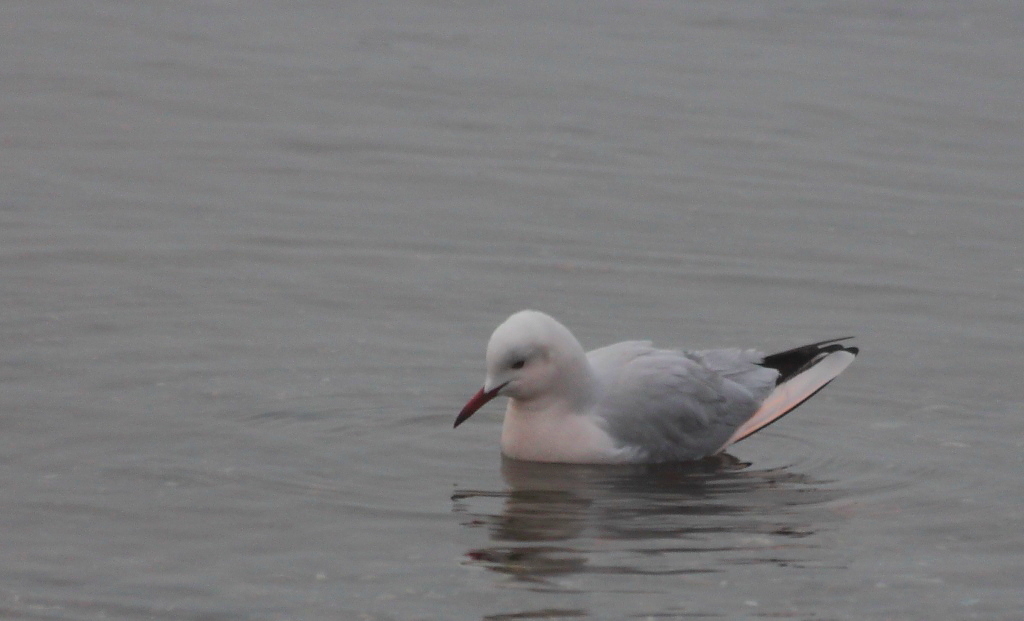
(792, 361)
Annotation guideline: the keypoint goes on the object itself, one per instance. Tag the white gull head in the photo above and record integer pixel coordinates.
(532, 357)
(538, 363)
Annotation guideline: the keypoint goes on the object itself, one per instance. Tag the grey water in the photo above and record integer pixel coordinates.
(251, 253)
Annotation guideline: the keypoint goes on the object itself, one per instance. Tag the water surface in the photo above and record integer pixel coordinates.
(252, 253)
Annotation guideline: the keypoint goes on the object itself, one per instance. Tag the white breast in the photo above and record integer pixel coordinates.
(555, 436)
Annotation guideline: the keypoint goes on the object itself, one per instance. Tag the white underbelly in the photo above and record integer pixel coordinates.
(558, 437)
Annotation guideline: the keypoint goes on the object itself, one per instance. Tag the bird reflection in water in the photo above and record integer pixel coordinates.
(560, 520)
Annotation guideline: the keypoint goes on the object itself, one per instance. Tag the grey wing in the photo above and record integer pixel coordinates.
(673, 406)
(742, 366)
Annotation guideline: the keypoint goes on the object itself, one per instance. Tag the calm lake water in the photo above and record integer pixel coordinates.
(252, 253)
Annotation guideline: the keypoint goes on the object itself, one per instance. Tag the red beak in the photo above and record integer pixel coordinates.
(474, 404)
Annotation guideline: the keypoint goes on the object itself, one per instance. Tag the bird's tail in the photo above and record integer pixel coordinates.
(822, 362)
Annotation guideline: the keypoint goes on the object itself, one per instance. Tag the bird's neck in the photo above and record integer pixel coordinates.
(574, 390)
(555, 427)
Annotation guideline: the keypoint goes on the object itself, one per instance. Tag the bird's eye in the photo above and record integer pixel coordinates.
(518, 364)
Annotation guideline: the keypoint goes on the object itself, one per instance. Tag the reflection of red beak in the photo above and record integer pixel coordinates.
(477, 402)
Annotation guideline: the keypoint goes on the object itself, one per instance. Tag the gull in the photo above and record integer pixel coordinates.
(633, 403)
